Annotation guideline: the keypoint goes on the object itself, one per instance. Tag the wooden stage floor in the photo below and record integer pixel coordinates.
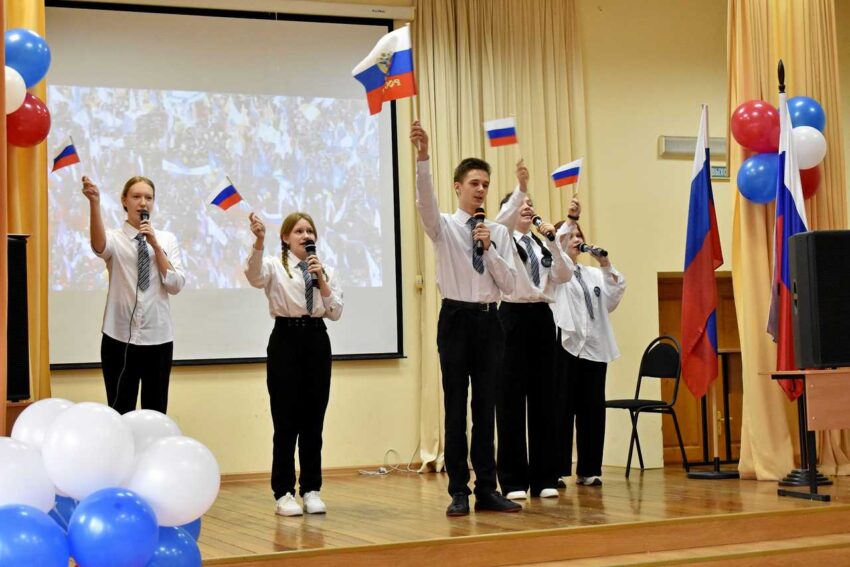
(407, 507)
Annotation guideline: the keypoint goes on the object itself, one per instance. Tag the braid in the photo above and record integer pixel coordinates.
(284, 258)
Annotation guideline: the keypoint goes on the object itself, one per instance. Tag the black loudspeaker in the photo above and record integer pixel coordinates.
(17, 329)
(820, 289)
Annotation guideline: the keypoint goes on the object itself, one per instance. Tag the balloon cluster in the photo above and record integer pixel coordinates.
(755, 125)
(83, 481)
(27, 61)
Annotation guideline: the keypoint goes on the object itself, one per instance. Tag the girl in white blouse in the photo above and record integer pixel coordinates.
(301, 293)
(587, 345)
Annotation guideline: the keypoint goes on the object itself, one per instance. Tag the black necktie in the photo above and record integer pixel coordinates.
(144, 263)
(587, 299)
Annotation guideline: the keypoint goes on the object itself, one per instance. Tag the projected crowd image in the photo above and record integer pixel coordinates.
(283, 154)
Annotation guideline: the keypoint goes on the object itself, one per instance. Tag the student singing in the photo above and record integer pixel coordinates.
(301, 293)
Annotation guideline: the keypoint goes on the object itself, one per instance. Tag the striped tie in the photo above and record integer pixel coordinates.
(144, 263)
(533, 263)
(477, 260)
(587, 300)
(308, 286)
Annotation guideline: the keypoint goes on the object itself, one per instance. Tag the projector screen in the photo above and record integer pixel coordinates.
(189, 100)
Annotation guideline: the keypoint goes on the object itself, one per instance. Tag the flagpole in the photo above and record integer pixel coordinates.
(716, 473)
(72, 139)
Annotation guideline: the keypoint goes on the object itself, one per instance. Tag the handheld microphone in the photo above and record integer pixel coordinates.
(598, 252)
(310, 247)
(144, 215)
(479, 217)
(537, 221)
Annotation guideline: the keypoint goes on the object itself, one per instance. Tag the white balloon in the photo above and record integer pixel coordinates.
(32, 424)
(149, 426)
(23, 479)
(809, 145)
(179, 478)
(88, 447)
(16, 90)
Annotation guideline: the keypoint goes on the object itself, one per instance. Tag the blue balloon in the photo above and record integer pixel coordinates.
(176, 548)
(757, 178)
(28, 54)
(806, 111)
(29, 537)
(193, 529)
(62, 511)
(113, 527)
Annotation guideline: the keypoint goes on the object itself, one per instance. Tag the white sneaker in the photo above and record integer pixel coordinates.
(287, 506)
(589, 480)
(549, 493)
(516, 495)
(313, 503)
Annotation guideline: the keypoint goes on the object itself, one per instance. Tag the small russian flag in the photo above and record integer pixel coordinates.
(226, 197)
(501, 132)
(68, 156)
(567, 174)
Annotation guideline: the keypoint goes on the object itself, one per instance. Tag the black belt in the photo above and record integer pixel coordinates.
(304, 322)
(470, 305)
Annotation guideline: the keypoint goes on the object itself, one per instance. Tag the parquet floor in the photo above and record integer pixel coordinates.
(402, 507)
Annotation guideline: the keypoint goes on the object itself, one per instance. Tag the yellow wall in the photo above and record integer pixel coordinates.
(648, 65)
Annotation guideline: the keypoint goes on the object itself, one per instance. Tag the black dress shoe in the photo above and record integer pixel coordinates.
(561, 483)
(459, 505)
(495, 502)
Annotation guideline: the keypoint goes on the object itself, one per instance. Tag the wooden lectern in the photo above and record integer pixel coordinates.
(822, 406)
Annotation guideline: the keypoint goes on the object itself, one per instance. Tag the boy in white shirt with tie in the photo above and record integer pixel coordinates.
(471, 278)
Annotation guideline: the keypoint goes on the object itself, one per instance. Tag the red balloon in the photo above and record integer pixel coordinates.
(28, 125)
(810, 179)
(755, 125)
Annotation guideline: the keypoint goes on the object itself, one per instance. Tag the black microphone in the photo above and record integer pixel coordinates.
(479, 217)
(598, 252)
(537, 221)
(310, 247)
(144, 215)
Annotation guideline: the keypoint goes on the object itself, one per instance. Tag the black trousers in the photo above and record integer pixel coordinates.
(581, 401)
(298, 376)
(148, 364)
(526, 381)
(469, 342)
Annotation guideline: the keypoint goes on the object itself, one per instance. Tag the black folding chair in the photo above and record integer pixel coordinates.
(662, 360)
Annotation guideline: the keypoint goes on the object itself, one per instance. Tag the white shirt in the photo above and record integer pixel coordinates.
(559, 272)
(151, 324)
(285, 292)
(581, 336)
(452, 237)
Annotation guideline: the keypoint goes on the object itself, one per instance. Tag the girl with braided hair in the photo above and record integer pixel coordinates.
(301, 294)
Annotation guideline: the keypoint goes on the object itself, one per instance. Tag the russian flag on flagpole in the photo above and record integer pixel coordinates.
(66, 157)
(699, 288)
(501, 132)
(790, 220)
(226, 197)
(387, 72)
(567, 174)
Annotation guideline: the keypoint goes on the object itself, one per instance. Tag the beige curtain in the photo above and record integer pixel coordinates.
(26, 212)
(478, 60)
(4, 264)
(760, 32)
